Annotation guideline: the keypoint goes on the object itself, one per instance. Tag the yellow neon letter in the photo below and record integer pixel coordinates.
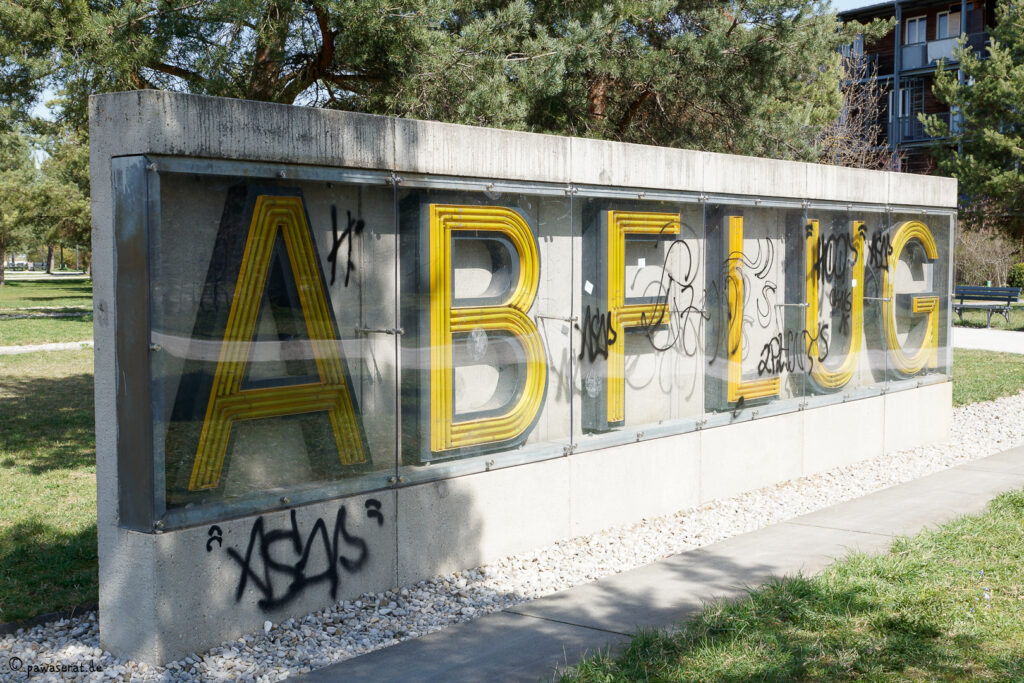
(228, 401)
(737, 388)
(620, 224)
(928, 353)
(833, 379)
(510, 316)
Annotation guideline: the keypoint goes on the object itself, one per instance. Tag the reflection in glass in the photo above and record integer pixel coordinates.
(642, 313)
(484, 284)
(755, 277)
(263, 377)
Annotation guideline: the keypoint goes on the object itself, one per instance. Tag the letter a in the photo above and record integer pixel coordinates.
(229, 402)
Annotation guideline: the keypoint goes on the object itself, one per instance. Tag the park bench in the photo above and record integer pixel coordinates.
(988, 299)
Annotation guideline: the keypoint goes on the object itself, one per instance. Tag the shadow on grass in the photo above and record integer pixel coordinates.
(798, 628)
(44, 569)
(47, 423)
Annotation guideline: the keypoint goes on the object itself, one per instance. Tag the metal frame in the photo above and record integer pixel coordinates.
(141, 463)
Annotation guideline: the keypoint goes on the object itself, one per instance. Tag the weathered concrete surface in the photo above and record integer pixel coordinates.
(158, 122)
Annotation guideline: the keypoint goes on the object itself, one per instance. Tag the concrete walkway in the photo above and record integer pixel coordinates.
(32, 348)
(1007, 341)
(529, 641)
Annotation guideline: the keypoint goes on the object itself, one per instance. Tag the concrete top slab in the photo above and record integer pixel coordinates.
(530, 640)
(160, 122)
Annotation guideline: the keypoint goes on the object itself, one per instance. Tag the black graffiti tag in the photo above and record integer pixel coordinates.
(879, 250)
(354, 228)
(597, 333)
(787, 351)
(841, 301)
(262, 564)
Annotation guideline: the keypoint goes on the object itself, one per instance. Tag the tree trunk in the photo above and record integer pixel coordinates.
(597, 99)
(3, 255)
(49, 259)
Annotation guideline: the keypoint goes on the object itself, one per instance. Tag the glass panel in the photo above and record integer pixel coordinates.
(640, 335)
(756, 342)
(915, 322)
(271, 374)
(843, 287)
(486, 313)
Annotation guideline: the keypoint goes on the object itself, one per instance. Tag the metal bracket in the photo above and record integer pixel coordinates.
(573, 319)
(384, 330)
(393, 179)
(803, 305)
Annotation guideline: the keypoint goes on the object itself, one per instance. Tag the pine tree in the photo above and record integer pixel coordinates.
(755, 77)
(986, 151)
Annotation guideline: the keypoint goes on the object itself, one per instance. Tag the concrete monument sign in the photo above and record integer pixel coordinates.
(337, 353)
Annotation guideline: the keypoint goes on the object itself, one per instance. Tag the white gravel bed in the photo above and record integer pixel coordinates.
(355, 627)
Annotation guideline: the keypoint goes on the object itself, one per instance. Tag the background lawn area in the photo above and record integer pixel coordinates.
(977, 319)
(947, 605)
(45, 330)
(65, 293)
(48, 480)
(985, 375)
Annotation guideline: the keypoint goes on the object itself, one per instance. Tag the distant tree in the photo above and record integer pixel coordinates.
(856, 138)
(745, 76)
(62, 211)
(17, 179)
(986, 151)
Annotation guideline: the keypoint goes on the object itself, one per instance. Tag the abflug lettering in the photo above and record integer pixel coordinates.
(597, 334)
(354, 228)
(787, 351)
(338, 548)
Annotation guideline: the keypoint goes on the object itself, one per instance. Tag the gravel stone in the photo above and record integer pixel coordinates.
(376, 621)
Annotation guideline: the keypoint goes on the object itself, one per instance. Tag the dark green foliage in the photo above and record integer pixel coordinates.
(1015, 278)
(756, 77)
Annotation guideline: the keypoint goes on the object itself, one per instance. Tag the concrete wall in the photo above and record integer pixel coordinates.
(163, 595)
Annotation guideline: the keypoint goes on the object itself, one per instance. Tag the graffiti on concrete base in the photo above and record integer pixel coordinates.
(279, 563)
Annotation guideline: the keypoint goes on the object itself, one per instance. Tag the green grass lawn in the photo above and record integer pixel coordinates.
(985, 375)
(65, 293)
(45, 330)
(977, 319)
(48, 480)
(947, 605)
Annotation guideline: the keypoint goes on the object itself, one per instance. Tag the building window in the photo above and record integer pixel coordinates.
(947, 25)
(915, 32)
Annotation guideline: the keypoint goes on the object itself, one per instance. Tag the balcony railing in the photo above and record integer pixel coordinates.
(920, 55)
(912, 130)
